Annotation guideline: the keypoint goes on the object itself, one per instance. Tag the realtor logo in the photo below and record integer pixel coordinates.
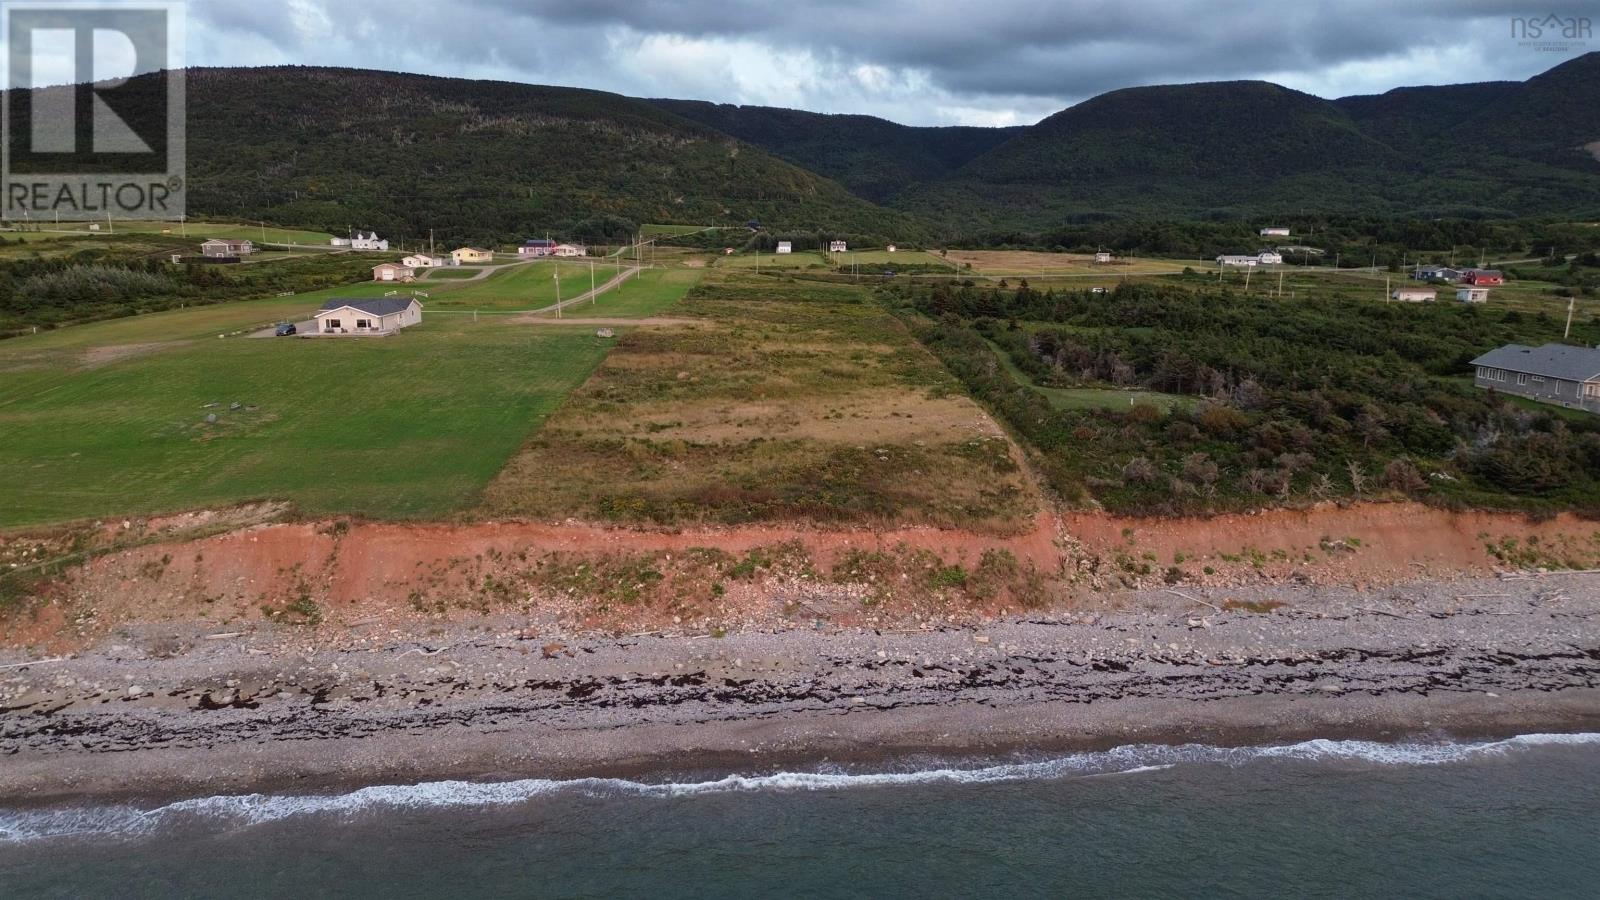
(91, 124)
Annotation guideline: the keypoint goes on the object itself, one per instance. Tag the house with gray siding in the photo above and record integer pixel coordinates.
(1555, 373)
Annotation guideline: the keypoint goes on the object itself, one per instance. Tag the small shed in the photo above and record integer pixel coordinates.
(1413, 295)
(1472, 294)
(393, 272)
(785, 247)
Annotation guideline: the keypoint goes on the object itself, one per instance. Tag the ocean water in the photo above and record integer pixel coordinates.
(1513, 818)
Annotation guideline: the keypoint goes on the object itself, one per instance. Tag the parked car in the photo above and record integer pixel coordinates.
(284, 329)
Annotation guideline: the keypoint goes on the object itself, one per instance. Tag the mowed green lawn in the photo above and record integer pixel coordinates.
(648, 293)
(412, 425)
(520, 287)
(773, 260)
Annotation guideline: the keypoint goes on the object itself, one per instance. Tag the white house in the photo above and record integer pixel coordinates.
(377, 315)
(836, 246)
(1270, 258)
(1472, 294)
(393, 272)
(1102, 256)
(1274, 231)
(221, 247)
(570, 250)
(890, 248)
(1413, 295)
(422, 261)
(1237, 260)
(785, 247)
(338, 242)
(368, 241)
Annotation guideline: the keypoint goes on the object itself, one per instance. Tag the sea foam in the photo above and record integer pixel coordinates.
(237, 811)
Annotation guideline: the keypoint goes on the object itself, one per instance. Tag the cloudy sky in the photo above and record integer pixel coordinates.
(924, 62)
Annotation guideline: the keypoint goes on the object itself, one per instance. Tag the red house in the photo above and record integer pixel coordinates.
(1483, 277)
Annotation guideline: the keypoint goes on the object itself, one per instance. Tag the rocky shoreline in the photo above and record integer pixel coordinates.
(155, 713)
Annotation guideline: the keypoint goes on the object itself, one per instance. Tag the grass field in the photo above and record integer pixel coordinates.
(773, 261)
(521, 287)
(99, 423)
(198, 231)
(648, 293)
(1028, 263)
(452, 273)
(786, 400)
(650, 231)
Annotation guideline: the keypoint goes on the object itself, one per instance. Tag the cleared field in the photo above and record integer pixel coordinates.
(774, 261)
(650, 292)
(787, 401)
(1027, 262)
(197, 230)
(110, 420)
(522, 287)
(650, 231)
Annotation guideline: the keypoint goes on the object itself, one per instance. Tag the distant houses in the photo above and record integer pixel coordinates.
(1414, 295)
(393, 272)
(1436, 273)
(1270, 258)
(219, 248)
(836, 246)
(890, 248)
(423, 261)
(368, 241)
(1275, 231)
(1102, 256)
(1554, 373)
(536, 247)
(785, 247)
(1472, 294)
(378, 315)
(462, 255)
(568, 250)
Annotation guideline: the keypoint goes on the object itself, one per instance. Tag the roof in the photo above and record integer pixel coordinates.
(390, 265)
(538, 242)
(1552, 361)
(1483, 271)
(377, 306)
(469, 250)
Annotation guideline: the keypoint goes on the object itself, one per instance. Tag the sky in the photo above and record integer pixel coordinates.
(918, 62)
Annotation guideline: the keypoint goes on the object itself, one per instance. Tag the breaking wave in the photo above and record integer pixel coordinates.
(254, 809)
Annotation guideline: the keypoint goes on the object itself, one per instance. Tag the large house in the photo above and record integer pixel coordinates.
(471, 255)
(570, 250)
(1413, 295)
(1472, 294)
(1555, 373)
(1483, 277)
(423, 261)
(1238, 260)
(1436, 273)
(222, 247)
(376, 315)
(368, 241)
(537, 247)
(393, 272)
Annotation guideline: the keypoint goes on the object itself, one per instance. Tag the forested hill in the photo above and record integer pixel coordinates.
(1237, 148)
(482, 160)
(875, 158)
(494, 161)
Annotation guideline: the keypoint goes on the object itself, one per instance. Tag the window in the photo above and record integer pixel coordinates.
(1592, 391)
(333, 323)
(1522, 378)
(362, 323)
(1538, 379)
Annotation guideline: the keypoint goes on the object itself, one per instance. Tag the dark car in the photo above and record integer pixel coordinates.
(284, 329)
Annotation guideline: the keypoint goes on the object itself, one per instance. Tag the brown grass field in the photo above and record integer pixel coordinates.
(780, 401)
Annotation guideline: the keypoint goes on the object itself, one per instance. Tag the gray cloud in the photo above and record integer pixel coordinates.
(917, 61)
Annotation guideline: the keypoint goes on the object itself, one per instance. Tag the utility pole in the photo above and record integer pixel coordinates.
(592, 300)
(1280, 282)
(1247, 270)
(558, 290)
(1571, 303)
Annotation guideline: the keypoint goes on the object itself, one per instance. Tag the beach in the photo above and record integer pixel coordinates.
(154, 712)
